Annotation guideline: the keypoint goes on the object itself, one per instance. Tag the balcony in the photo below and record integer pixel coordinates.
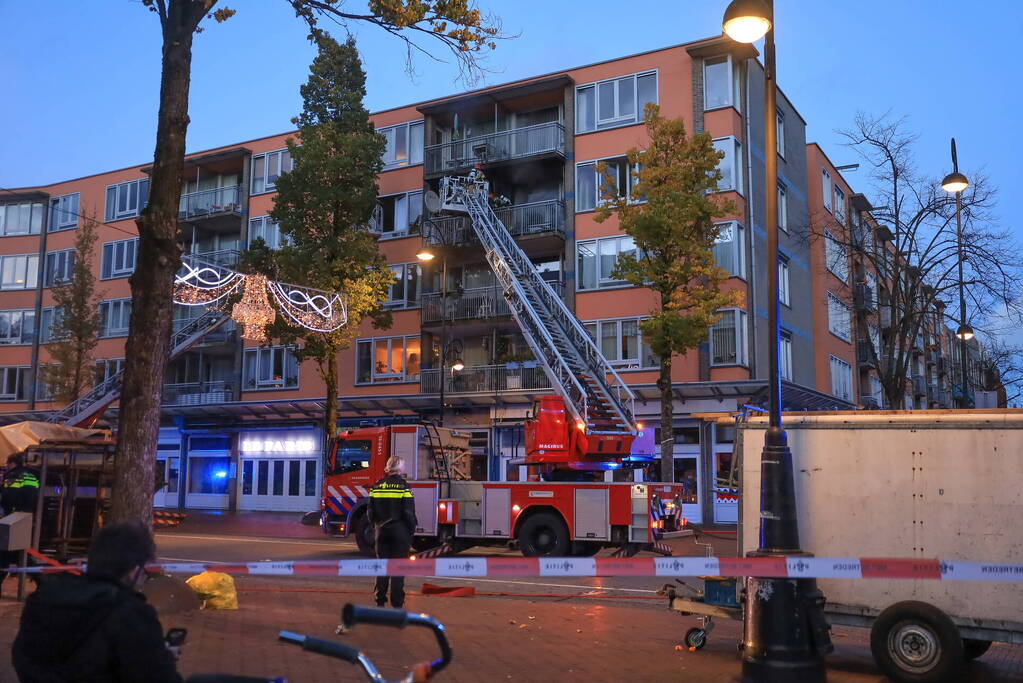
(211, 206)
(521, 220)
(865, 355)
(225, 334)
(919, 385)
(487, 378)
(544, 139)
(475, 303)
(932, 355)
(864, 299)
(870, 402)
(199, 393)
(224, 257)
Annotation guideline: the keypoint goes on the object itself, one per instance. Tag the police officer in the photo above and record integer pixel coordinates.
(20, 487)
(392, 512)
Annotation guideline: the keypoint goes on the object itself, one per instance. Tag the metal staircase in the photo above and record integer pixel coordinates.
(593, 392)
(106, 392)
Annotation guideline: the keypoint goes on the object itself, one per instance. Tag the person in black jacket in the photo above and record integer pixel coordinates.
(392, 512)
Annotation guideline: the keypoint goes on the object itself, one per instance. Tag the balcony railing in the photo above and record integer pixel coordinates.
(534, 218)
(198, 393)
(223, 257)
(870, 402)
(461, 155)
(475, 303)
(209, 202)
(863, 298)
(222, 335)
(486, 378)
(919, 385)
(865, 354)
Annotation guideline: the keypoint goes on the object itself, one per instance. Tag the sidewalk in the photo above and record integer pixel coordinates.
(245, 523)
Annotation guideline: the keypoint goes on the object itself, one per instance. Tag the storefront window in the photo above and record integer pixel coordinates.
(208, 475)
(173, 472)
(278, 477)
(685, 474)
(262, 477)
(310, 477)
(247, 478)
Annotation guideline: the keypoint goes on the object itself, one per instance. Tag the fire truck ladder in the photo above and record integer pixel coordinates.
(106, 392)
(593, 392)
(439, 459)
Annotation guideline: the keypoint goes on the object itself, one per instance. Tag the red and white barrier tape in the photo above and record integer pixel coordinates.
(789, 567)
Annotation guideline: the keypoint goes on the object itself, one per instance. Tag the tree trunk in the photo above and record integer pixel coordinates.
(159, 257)
(330, 410)
(667, 422)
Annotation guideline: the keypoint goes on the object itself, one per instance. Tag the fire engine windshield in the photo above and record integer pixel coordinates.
(352, 456)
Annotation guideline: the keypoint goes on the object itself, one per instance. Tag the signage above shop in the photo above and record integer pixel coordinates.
(271, 443)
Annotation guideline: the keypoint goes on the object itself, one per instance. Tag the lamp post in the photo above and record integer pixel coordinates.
(955, 182)
(784, 632)
(426, 256)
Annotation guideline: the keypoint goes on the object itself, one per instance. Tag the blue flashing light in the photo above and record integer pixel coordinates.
(220, 474)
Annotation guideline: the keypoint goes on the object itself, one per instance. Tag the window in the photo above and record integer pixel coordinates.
(780, 132)
(841, 379)
(404, 144)
(267, 168)
(730, 249)
(404, 291)
(622, 343)
(785, 355)
(394, 215)
(127, 200)
(16, 327)
(614, 102)
(826, 188)
(119, 258)
(273, 367)
(783, 281)
(587, 184)
(107, 368)
(728, 338)
(352, 455)
(388, 359)
(838, 317)
(876, 391)
(25, 218)
(19, 271)
(783, 208)
(836, 257)
(731, 173)
(839, 205)
(49, 317)
(114, 316)
(717, 82)
(59, 267)
(597, 260)
(63, 212)
(13, 383)
(263, 228)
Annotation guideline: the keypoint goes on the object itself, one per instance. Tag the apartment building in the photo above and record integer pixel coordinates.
(241, 421)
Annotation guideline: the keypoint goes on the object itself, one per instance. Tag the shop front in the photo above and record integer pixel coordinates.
(280, 470)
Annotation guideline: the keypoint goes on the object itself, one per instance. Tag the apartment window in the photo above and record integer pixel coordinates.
(783, 281)
(267, 168)
(388, 359)
(731, 173)
(826, 188)
(587, 184)
(839, 205)
(785, 355)
(16, 327)
(60, 266)
(836, 256)
(838, 317)
(728, 338)
(598, 258)
(783, 208)
(106, 368)
(272, 367)
(876, 390)
(394, 215)
(49, 317)
(622, 343)
(841, 379)
(730, 249)
(24, 218)
(262, 228)
(114, 316)
(779, 119)
(404, 291)
(718, 82)
(126, 200)
(404, 144)
(614, 102)
(63, 212)
(19, 271)
(14, 383)
(119, 258)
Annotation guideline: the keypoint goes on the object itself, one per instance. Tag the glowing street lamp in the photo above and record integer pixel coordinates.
(956, 182)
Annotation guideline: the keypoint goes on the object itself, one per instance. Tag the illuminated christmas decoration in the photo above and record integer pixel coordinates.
(254, 311)
(313, 309)
(200, 283)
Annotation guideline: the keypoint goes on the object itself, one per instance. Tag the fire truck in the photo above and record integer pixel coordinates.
(572, 438)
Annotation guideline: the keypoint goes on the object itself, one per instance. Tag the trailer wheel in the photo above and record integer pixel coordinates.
(544, 535)
(696, 638)
(915, 641)
(973, 648)
(364, 534)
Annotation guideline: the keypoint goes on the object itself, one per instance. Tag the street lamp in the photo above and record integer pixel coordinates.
(784, 631)
(956, 182)
(425, 255)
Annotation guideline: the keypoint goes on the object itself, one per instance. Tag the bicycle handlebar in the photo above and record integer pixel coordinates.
(330, 648)
(356, 614)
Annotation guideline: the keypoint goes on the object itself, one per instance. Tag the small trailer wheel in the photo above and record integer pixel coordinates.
(696, 638)
(915, 641)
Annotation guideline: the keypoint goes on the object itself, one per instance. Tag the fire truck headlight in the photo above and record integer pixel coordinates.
(516, 508)
(443, 506)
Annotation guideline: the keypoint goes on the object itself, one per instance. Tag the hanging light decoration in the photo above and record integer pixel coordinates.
(254, 311)
(199, 283)
(313, 309)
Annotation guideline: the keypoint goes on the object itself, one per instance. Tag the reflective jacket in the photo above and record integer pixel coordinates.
(391, 502)
(20, 490)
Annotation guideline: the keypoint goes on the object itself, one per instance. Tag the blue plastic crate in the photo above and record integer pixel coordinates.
(719, 591)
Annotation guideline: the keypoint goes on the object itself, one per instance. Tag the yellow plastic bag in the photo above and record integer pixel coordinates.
(215, 589)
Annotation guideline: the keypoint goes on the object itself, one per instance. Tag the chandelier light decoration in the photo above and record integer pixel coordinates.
(199, 283)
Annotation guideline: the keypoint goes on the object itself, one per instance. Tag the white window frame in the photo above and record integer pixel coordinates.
(732, 99)
(619, 120)
(288, 362)
(387, 377)
(839, 318)
(839, 205)
(117, 307)
(413, 210)
(783, 208)
(106, 368)
(20, 373)
(413, 154)
(836, 257)
(597, 200)
(780, 132)
(826, 188)
(63, 212)
(841, 374)
(783, 281)
(595, 328)
(26, 322)
(598, 245)
(10, 218)
(785, 355)
(24, 265)
(402, 277)
(741, 352)
(122, 252)
(47, 318)
(136, 197)
(732, 148)
(736, 244)
(60, 266)
(284, 164)
(264, 224)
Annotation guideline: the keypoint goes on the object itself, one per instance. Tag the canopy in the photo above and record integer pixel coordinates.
(17, 437)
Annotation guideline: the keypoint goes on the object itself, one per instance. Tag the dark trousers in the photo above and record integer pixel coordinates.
(392, 542)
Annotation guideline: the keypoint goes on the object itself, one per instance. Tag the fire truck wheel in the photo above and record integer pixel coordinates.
(544, 535)
(973, 648)
(363, 532)
(915, 641)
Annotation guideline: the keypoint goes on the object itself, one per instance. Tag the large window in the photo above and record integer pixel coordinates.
(16, 327)
(126, 200)
(841, 379)
(839, 205)
(14, 383)
(404, 144)
(598, 258)
(404, 291)
(836, 256)
(826, 188)
(785, 353)
(614, 102)
(622, 343)
(24, 218)
(63, 212)
(273, 367)
(730, 249)
(587, 183)
(262, 228)
(729, 165)
(718, 84)
(728, 339)
(838, 317)
(783, 208)
(106, 368)
(19, 271)
(783, 281)
(779, 122)
(59, 267)
(388, 359)
(267, 168)
(114, 316)
(396, 214)
(119, 258)
(49, 317)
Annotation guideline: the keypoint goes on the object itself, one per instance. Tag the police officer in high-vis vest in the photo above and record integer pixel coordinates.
(392, 512)
(20, 486)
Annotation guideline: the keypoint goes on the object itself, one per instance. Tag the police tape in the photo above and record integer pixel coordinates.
(532, 567)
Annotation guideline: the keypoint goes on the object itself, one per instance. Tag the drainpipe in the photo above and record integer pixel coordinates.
(40, 273)
(751, 283)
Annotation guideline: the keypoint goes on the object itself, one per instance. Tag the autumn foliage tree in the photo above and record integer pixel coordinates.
(669, 212)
